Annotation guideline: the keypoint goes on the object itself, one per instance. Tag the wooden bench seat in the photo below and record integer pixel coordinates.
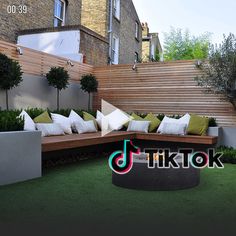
(57, 143)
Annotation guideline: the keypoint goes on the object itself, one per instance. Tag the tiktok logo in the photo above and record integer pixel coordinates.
(121, 162)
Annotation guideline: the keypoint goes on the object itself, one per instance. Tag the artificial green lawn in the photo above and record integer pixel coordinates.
(83, 192)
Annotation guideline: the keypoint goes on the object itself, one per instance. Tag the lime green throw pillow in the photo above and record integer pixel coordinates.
(155, 122)
(198, 125)
(88, 117)
(43, 118)
(135, 117)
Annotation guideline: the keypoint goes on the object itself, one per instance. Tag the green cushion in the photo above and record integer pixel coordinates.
(88, 117)
(155, 122)
(198, 125)
(135, 117)
(43, 118)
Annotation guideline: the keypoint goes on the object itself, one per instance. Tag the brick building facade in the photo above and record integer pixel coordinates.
(118, 21)
(151, 48)
(113, 31)
(39, 14)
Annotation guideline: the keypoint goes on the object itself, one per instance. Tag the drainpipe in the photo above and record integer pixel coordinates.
(110, 31)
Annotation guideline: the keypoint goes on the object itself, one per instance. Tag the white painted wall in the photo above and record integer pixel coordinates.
(64, 43)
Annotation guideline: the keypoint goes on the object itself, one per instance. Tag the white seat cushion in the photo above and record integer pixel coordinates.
(50, 129)
(85, 127)
(139, 126)
(63, 121)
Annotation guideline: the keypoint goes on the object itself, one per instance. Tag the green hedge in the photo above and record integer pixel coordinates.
(10, 122)
(229, 154)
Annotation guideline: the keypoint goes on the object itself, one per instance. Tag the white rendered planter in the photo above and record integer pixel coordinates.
(20, 156)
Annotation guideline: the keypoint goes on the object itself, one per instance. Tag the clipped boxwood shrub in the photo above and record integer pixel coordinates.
(9, 121)
(229, 154)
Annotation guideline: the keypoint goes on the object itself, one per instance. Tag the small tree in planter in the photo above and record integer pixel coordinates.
(89, 84)
(219, 72)
(58, 78)
(10, 75)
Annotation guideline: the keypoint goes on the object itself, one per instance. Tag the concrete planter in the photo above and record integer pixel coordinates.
(226, 135)
(20, 156)
(216, 131)
(229, 137)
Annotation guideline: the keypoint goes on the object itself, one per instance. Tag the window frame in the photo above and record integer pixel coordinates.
(56, 17)
(137, 30)
(116, 9)
(115, 49)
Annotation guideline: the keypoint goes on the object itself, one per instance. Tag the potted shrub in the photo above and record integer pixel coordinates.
(58, 78)
(89, 84)
(10, 74)
(20, 157)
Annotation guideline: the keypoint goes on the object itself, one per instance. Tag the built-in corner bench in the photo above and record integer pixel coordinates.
(58, 143)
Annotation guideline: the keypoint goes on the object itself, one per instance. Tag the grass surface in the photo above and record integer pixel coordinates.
(82, 193)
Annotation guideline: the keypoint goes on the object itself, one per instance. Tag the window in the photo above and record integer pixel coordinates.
(59, 13)
(136, 57)
(136, 30)
(116, 7)
(115, 50)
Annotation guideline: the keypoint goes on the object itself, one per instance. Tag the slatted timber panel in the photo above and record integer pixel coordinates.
(38, 63)
(167, 88)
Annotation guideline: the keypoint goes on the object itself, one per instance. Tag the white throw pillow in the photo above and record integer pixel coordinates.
(166, 120)
(85, 127)
(29, 124)
(185, 119)
(138, 126)
(174, 128)
(117, 119)
(50, 129)
(102, 121)
(74, 117)
(63, 121)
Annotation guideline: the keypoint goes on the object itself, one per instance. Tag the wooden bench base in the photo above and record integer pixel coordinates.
(57, 143)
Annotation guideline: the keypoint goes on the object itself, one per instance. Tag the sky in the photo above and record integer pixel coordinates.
(199, 16)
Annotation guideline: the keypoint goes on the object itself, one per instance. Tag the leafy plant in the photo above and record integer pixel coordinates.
(58, 78)
(181, 45)
(10, 75)
(229, 154)
(89, 84)
(219, 72)
(9, 121)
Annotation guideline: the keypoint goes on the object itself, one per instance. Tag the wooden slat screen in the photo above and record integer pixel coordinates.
(167, 88)
(38, 63)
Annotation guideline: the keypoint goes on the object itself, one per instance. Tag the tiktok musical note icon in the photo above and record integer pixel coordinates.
(121, 162)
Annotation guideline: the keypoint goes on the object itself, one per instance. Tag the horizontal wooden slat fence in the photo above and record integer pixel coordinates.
(167, 88)
(38, 63)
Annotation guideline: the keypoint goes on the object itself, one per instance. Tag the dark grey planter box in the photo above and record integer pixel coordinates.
(20, 156)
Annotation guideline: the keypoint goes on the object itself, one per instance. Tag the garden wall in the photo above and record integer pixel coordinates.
(163, 87)
(34, 90)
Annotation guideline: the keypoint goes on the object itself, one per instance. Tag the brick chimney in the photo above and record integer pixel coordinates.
(145, 29)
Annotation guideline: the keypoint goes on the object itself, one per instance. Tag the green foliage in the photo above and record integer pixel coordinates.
(89, 84)
(9, 121)
(219, 72)
(58, 78)
(179, 45)
(10, 74)
(229, 154)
